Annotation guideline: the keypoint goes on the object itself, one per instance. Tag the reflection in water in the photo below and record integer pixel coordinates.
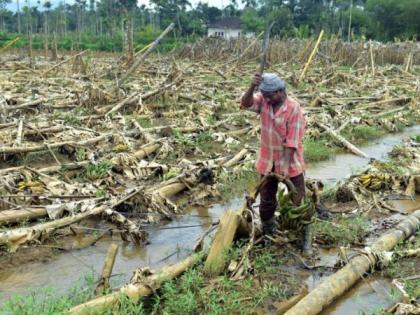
(166, 245)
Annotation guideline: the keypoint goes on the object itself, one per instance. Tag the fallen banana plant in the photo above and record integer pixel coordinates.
(335, 285)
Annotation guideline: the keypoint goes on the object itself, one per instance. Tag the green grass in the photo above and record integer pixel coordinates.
(72, 119)
(316, 150)
(145, 122)
(194, 293)
(47, 302)
(361, 133)
(342, 232)
(405, 267)
(233, 185)
(417, 138)
(97, 171)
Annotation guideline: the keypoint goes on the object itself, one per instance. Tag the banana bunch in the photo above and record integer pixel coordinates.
(294, 217)
(374, 181)
(34, 187)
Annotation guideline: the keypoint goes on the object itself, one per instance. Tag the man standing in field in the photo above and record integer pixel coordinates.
(281, 145)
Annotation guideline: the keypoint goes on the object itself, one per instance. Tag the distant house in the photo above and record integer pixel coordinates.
(227, 27)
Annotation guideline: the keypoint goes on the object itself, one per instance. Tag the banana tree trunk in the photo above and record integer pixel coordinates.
(335, 285)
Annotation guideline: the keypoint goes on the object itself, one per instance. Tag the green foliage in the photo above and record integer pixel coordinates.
(417, 138)
(47, 302)
(343, 232)
(316, 150)
(170, 174)
(72, 119)
(362, 133)
(97, 171)
(235, 184)
(252, 21)
(80, 154)
(145, 122)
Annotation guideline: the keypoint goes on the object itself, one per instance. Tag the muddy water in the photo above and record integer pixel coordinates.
(344, 164)
(168, 243)
(366, 297)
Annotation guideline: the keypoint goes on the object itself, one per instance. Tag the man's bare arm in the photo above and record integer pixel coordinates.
(248, 97)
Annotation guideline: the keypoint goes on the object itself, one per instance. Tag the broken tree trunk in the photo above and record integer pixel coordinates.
(135, 290)
(47, 146)
(107, 269)
(13, 216)
(64, 61)
(216, 259)
(14, 238)
(335, 285)
(343, 141)
(145, 55)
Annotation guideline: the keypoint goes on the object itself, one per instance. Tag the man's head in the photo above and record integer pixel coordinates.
(273, 89)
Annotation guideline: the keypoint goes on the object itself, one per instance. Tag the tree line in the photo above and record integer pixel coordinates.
(102, 20)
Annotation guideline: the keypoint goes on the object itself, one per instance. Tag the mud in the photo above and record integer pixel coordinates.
(174, 240)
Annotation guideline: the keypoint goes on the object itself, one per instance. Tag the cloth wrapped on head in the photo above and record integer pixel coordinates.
(271, 83)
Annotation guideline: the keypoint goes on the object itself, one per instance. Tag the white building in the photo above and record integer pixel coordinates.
(227, 27)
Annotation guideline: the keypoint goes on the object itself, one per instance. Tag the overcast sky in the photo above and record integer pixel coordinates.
(216, 3)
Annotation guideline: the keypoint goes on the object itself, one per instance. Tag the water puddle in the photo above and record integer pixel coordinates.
(344, 164)
(368, 296)
(170, 242)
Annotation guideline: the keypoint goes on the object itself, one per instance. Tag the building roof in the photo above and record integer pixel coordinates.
(231, 22)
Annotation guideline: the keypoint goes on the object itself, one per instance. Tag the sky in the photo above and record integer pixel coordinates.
(216, 3)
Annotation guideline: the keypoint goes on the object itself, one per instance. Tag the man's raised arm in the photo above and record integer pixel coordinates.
(248, 98)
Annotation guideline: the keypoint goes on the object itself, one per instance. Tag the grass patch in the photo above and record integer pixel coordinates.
(235, 184)
(145, 122)
(97, 171)
(343, 232)
(194, 293)
(417, 138)
(405, 267)
(361, 134)
(316, 150)
(47, 302)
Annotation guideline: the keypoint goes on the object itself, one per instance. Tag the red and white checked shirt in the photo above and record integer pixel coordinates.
(285, 128)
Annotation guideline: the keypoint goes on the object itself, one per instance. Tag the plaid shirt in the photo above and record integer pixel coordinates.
(283, 129)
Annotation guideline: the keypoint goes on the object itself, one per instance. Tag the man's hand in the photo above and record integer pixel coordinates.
(256, 80)
(248, 99)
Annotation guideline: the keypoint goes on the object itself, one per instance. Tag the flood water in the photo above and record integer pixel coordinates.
(173, 241)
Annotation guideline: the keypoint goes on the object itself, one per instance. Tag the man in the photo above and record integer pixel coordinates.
(281, 145)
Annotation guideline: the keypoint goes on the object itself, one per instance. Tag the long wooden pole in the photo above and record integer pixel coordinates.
(311, 56)
(145, 55)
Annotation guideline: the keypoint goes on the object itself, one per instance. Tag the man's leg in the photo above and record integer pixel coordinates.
(268, 204)
(299, 182)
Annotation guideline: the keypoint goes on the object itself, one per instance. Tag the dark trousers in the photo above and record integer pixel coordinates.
(268, 195)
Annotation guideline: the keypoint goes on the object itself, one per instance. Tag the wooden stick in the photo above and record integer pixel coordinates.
(107, 268)
(25, 105)
(65, 61)
(372, 61)
(19, 133)
(343, 141)
(311, 56)
(145, 55)
(45, 146)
